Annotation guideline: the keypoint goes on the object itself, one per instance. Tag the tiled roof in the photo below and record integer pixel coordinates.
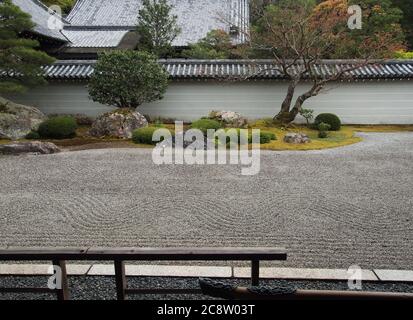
(89, 38)
(41, 17)
(243, 69)
(196, 18)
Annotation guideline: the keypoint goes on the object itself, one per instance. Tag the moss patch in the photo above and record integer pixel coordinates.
(336, 139)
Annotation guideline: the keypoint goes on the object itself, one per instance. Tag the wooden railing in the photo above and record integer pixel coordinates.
(119, 255)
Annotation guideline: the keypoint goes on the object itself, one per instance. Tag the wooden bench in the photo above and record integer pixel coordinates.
(59, 256)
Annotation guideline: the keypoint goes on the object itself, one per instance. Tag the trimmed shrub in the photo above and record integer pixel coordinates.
(144, 135)
(265, 137)
(323, 127)
(33, 135)
(81, 119)
(58, 128)
(205, 124)
(329, 118)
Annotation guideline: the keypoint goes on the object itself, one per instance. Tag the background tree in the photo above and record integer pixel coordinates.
(127, 79)
(157, 27)
(216, 45)
(406, 6)
(381, 24)
(18, 55)
(298, 34)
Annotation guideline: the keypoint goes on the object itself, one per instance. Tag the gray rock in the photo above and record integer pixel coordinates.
(119, 123)
(36, 147)
(229, 119)
(296, 138)
(17, 120)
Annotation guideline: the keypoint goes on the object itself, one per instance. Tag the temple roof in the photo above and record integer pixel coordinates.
(42, 18)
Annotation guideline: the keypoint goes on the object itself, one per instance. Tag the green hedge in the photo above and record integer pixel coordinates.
(33, 135)
(58, 128)
(205, 124)
(144, 135)
(265, 137)
(329, 118)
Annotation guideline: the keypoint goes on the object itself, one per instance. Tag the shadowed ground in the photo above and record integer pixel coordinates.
(330, 208)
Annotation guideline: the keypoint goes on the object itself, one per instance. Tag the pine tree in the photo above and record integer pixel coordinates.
(157, 27)
(18, 56)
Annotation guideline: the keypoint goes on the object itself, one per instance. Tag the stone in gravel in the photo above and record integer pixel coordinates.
(119, 123)
(296, 138)
(17, 120)
(35, 147)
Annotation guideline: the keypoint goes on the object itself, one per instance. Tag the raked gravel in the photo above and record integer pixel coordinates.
(330, 208)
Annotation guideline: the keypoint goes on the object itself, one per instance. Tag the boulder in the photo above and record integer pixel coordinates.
(296, 138)
(119, 123)
(17, 120)
(36, 147)
(229, 119)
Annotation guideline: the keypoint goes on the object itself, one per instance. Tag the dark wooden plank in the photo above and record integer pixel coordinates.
(63, 292)
(42, 254)
(188, 254)
(255, 273)
(184, 254)
(120, 278)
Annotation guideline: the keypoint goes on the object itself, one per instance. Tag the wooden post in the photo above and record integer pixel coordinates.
(62, 292)
(120, 279)
(255, 273)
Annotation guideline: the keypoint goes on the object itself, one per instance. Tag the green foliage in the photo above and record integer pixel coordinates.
(216, 45)
(127, 79)
(205, 124)
(265, 137)
(145, 136)
(403, 55)
(157, 27)
(58, 128)
(307, 114)
(330, 119)
(406, 6)
(18, 55)
(66, 5)
(324, 126)
(33, 135)
(323, 130)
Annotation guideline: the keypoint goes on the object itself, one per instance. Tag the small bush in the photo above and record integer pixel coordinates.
(323, 127)
(33, 135)
(329, 118)
(205, 124)
(265, 137)
(144, 135)
(81, 119)
(58, 128)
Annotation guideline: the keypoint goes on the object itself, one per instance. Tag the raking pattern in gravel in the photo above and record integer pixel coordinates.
(330, 209)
